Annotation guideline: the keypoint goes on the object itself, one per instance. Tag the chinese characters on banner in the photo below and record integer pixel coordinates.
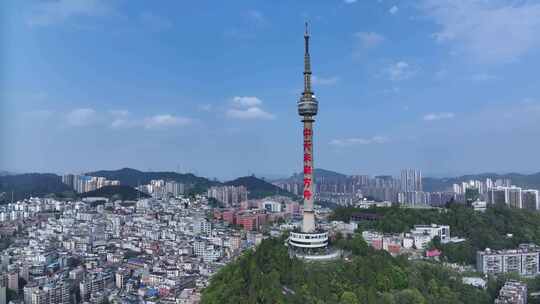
(308, 170)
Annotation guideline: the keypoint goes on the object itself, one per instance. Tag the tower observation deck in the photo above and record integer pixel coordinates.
(309, 242)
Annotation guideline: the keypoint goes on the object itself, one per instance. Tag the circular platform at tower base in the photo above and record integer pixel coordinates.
(331, 254)
(311, 246)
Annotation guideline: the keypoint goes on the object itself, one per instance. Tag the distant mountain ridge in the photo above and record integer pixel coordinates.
(320, 174)
(38, 184)
(41, 184)
(133, 177)
(433, 184)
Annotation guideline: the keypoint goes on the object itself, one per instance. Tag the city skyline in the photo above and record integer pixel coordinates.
(91, 85)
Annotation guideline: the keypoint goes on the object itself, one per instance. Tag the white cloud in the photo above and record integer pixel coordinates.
(121, 119)
(247, 107)
(122, 123)
(393, 10)
(346, 142)
(249, 113)
(349, 1)
(325, 81)
(53, 12)
(81, 117)
(165, 121)
(438, 116)
(482, 77)
(369, 40)
(246, 101)
(400, 70)
(487, 31)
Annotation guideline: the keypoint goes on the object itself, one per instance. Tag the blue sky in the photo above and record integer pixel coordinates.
(447, 86)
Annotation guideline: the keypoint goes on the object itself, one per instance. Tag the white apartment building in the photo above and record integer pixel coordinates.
(524, 260)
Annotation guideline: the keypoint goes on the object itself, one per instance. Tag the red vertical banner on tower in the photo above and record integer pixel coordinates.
(308, 162)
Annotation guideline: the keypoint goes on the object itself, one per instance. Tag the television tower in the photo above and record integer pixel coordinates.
(310, 242)
(307, 108)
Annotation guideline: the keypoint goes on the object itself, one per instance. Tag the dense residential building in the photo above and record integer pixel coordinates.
(498, 195)
(523, 261)
(58, 292)
(84, 183)
(411, 180)
(512, 292)
(413, 198)
(156, 247)
(229, 195)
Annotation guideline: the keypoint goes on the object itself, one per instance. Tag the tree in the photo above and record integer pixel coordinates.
(348, 297)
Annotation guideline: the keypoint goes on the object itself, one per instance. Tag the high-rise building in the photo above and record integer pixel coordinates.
(229, 195)
(497, 195)
(529, 200)
(411, 180)
(514, 197)
(68, 179)
(174, 188)
(413, 198)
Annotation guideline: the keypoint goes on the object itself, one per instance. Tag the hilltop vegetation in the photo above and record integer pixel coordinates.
(481, 230)
(268, 275)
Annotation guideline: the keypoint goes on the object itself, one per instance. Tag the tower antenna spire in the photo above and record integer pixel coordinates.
(307, 62)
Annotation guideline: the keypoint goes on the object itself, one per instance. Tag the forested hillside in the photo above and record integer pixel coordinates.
(268, 275)
(489, 229)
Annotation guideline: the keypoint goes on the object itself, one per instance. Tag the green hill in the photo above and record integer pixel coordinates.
(320, 175)
(121, 192)
(257, 187)
(133, 178)
(269, 275)
(30, 184)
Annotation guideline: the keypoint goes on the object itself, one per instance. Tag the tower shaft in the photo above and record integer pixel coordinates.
(308, 223)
